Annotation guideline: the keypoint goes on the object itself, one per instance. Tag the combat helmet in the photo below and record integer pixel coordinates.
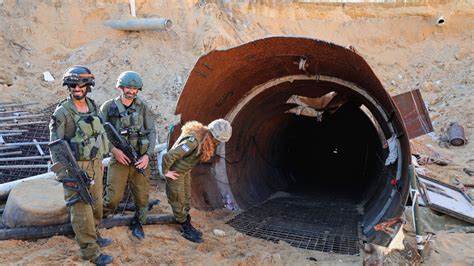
(79, 75)
(130, 79)
(220, 129)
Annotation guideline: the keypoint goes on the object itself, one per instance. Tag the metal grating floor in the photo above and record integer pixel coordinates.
(304, 222)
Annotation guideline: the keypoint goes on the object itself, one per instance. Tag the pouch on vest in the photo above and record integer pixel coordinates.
(125, 121)
(133, 139)
(144, 143)
(89, 142)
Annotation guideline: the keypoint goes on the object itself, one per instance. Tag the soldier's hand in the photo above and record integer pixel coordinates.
(142, 163)
(172, 175)
(120, 156)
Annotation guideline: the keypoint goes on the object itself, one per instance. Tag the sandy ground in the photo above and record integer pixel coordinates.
(401, 43)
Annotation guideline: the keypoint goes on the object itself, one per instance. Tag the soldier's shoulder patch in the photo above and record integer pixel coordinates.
(185, 148)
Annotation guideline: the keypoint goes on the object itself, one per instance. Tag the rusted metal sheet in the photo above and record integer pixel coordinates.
(415, 117)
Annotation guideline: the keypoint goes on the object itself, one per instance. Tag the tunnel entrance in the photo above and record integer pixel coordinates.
(325, 166)
(318, 174)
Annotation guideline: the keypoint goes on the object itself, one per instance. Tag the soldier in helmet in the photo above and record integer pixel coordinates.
(132, 118)
(76, 120)
(196, 143)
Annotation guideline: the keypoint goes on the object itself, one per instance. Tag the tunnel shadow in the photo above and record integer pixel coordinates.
(327, 168)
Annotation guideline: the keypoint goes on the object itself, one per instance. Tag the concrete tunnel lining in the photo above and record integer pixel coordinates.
(382, 200)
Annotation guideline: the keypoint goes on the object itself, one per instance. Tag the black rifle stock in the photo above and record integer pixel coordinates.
(120, 143)
(77, 179)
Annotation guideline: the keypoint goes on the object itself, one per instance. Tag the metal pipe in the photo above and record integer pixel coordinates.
(13, 130)
(132, 8)
(9, 134)
(66, 229)
(140, 24)
(16, 105)
(13, 113)
(10, 153)
(24, 143)
(2, 148)
(7, 118)
(26, 166)
(23, 124)
(24, 158)
(456, 134)
(415, 209)
(38, 147)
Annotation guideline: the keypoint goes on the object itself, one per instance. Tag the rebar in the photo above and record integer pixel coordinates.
(24, 124)
(10, 105)
(46, 156)
(8, 118)
(5, 167)
(24, 143)
(10, 153)
(13, 131)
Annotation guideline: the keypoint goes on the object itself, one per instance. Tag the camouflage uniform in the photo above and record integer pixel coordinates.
(84, 217)
(137, 125)
(182, 157)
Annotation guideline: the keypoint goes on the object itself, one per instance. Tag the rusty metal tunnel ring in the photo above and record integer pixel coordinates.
(230, 84)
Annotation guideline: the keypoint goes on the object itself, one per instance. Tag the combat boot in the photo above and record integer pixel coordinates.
(103, 242)
(196, 231)
(137, 228)
(190, 234)
(103, 259)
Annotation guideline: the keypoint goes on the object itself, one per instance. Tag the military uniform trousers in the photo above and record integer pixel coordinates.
(117, 177)
(84, 217)
(179, 195)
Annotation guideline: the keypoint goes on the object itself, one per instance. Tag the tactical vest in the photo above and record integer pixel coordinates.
(187, 163)
(129, 123)
(89, 141)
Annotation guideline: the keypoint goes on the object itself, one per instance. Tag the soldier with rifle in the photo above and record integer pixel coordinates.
(130, 118)
(78, 143)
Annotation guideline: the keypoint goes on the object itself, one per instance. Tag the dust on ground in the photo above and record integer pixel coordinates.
(401, 43)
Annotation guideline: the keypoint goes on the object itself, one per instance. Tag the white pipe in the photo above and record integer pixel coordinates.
(5, 188)
(132, 8)
(140, 24)
(440, 21)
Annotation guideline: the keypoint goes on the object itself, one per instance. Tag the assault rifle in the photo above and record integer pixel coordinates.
(76, 179)
(120, 143)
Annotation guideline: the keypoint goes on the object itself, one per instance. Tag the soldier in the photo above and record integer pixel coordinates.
(76, 121)
(196, 143)
(132, 118)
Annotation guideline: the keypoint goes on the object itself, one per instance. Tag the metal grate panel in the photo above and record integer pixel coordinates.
(39, 132)
(304, 222)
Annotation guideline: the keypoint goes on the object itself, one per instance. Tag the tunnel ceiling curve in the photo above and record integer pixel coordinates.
(249, 85)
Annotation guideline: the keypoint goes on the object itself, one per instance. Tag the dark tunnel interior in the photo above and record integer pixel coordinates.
(329, 168)
(332, 156)
(335, 157)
